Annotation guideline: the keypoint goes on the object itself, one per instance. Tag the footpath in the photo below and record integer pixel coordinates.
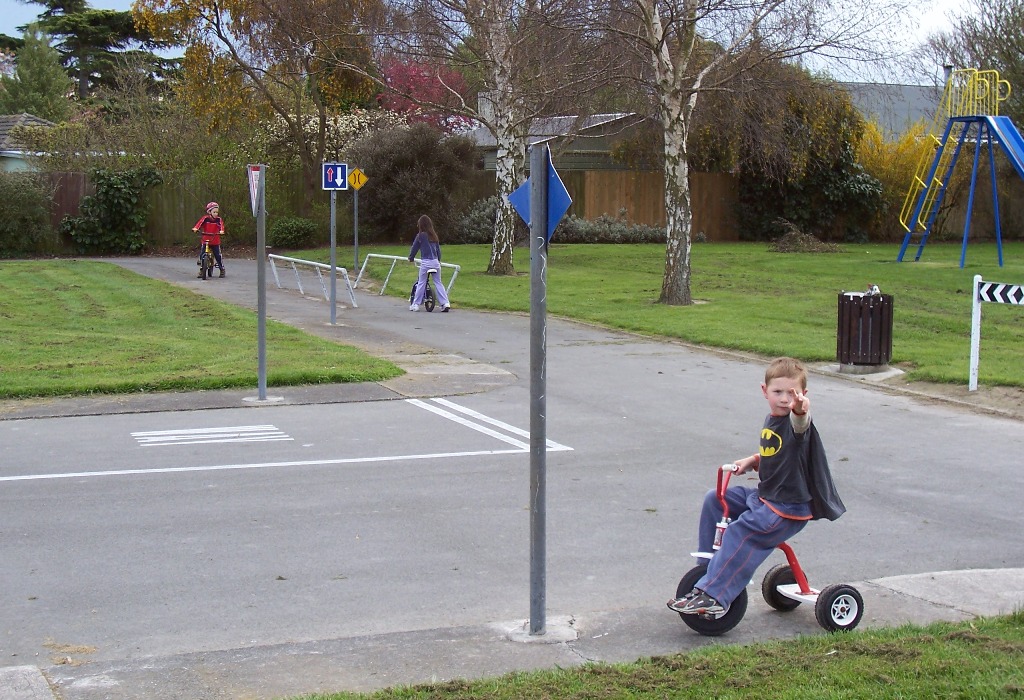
(437, 363)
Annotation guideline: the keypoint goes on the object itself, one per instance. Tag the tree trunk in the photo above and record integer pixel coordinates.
(507, 174)
(509, 165)
(675, 285)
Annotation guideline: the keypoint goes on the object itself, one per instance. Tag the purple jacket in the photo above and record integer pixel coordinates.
(428, 249)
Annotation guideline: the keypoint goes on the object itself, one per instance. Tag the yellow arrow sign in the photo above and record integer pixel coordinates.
(357, 178)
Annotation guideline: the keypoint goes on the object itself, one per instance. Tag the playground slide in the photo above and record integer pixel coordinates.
(1010, 139)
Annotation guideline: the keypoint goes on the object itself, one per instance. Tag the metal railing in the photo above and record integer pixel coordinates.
(395, 259)
(319, 268)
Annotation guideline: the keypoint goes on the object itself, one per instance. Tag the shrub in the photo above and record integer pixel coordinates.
(292, 232)
(412, 171)
(113, 220)
(895, 164)
(477, 226)
(606, 229)
(24, 214)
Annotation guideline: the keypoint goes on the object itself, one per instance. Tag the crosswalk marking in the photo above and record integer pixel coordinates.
(206, 436)
(254, 433)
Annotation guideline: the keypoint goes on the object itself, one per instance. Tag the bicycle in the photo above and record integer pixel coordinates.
(428, 293)
(206, 260)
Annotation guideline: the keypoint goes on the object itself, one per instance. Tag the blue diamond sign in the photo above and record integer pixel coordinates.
(558, 199)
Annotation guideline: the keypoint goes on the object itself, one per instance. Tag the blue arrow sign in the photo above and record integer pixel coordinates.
(558, 199)
(335, 176)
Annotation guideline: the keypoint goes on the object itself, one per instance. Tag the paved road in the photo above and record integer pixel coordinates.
(359, 537)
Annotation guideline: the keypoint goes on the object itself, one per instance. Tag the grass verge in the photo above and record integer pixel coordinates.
(82, 327)
(979, 659)
(753, 300)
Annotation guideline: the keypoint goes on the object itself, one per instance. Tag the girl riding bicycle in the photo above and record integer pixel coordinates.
(429, 247)
(211, 227)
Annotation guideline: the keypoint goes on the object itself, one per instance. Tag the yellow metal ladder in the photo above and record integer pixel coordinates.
(968, 93)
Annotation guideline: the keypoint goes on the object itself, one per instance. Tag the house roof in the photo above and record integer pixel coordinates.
(547, 128)
(7, 124)
(895, 108)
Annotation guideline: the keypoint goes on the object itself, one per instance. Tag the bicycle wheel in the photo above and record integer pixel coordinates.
(204, 266)
(428, 296)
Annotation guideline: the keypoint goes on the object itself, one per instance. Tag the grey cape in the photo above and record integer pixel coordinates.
(825, 501)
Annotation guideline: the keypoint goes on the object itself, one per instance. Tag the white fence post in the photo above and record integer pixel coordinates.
(995, 292)
(975, 335)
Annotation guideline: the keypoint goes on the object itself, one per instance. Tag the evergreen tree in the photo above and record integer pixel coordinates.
(39, 85)
(92, 42)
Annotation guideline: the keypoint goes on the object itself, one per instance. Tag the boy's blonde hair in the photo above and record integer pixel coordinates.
(786, 367)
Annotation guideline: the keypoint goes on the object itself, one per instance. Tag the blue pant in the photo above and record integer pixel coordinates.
(215, 249)
(754, 532)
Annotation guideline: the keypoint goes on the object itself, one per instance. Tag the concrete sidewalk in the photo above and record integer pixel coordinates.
(440, 359)
(365, 664)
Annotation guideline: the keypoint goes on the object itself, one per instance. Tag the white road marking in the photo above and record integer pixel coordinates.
(551, 444)
(269, 432)
(469, 424)
(257, 465)
(207, 436)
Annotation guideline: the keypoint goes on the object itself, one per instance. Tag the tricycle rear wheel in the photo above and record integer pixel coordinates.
(839, 608)
(778, 576)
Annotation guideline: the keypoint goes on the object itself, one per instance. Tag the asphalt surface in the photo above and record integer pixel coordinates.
(467, 353)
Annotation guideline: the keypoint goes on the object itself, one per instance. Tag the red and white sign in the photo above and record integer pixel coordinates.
(254, 186)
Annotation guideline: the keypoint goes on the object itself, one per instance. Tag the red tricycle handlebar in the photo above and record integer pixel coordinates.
(724, 473)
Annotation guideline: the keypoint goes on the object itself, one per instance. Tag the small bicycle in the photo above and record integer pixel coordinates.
(428, 293)
(206, 261)
(838, 607)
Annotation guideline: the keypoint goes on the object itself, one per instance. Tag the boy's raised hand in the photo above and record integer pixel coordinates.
(800, 403)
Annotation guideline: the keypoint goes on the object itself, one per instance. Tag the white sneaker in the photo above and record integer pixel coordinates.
(414, 307)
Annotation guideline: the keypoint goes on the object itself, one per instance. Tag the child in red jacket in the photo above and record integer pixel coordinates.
(211, 227)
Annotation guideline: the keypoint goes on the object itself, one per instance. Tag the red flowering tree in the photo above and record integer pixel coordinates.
(420, 91)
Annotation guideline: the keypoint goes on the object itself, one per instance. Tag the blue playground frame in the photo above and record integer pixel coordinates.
(971, 99)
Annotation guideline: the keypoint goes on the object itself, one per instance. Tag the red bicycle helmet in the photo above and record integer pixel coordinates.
(212, 205)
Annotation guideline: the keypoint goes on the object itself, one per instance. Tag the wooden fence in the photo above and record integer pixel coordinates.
(176, 204)
(639, 198)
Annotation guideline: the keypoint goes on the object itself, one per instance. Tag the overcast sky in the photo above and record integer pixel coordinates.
(14, 13)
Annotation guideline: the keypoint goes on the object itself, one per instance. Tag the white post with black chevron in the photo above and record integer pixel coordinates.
(997, 293)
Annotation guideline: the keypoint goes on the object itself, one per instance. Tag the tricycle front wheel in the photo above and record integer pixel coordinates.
(710, 627)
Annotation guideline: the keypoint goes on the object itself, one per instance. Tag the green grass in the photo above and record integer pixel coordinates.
(973, 660)
(83, 327)
(757, 301)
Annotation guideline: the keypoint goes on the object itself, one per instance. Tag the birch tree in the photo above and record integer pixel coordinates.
(682, 49)
(521, 61)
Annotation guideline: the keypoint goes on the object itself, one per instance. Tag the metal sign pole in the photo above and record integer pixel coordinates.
(334, 267)
(538, 386)
(261, 285)
(355, 225)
